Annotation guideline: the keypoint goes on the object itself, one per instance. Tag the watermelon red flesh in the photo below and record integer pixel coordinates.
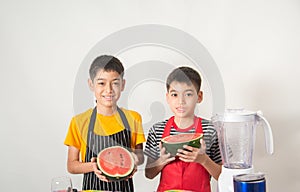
(115, 162)
(174, 142)
(181, 138)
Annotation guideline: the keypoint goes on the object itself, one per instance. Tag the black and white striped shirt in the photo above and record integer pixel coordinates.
(210, 137)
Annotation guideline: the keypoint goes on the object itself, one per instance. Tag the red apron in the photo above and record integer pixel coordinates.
(182, 175)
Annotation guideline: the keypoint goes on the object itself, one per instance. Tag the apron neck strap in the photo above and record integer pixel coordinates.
(93, 120)
(94, 115)
(197, 125)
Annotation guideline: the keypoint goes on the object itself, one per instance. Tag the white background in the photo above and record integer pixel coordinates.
(256, 45)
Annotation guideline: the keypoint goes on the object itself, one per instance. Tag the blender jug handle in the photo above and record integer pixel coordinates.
(268, 133)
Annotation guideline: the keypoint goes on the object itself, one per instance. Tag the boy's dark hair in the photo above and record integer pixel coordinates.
(184, 75)
(107, 63)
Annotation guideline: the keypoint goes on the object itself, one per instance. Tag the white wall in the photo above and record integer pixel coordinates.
(255, 45)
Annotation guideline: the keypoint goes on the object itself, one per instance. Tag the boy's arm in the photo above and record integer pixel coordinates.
(75, 166)
(213, 168)
(139, 153)
(154, 167)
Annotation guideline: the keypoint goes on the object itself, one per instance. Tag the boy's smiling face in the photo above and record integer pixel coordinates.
(182, 99)
(107, 87)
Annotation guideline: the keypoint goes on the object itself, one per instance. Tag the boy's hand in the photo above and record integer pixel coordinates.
(191, 154)
(164, 158)
(97, 171)
(154, 166)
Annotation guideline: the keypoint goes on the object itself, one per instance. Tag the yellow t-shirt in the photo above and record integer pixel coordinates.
(104, 126)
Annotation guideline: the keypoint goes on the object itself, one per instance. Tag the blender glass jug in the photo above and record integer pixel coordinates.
(236, 134)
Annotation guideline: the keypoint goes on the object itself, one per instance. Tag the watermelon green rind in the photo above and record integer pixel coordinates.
(172, 147)
(116, 176)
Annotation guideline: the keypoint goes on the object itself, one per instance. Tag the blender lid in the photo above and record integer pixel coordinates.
(235, 115)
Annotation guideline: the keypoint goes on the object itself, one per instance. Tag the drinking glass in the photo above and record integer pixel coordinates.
(61, 184)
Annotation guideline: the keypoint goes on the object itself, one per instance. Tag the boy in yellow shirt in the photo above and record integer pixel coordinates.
(104, 126)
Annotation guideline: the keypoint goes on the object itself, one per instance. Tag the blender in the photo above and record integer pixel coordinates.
(236, 133)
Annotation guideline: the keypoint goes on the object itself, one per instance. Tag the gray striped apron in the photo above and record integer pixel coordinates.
(95, 143)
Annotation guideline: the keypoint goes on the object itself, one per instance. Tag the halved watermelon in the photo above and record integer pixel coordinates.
(174, 142)
(116, 162)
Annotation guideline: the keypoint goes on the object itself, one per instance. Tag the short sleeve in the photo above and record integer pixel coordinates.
(73, 137)
(152, 148)
(215, 149)
(136, 127)
(140, 137)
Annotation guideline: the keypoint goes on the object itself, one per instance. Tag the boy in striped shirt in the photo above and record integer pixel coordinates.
(192, 168)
